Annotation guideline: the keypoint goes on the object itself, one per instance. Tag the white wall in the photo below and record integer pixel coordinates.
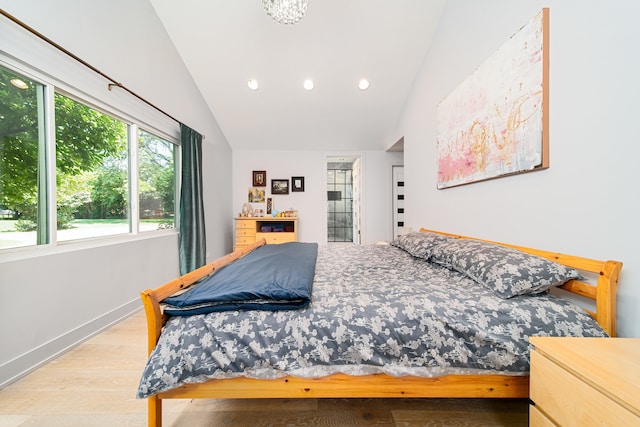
(312, 203)
(587, 202)
(53, 298)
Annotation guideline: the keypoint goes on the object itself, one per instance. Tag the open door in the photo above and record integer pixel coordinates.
(343, 199)
(356, 201)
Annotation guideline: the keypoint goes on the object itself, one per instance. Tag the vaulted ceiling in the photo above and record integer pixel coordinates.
(225, 43)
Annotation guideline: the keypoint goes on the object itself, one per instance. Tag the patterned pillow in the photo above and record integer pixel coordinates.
(420, 244)
(506, 271)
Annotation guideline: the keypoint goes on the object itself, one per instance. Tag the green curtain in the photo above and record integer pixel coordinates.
(192, 231)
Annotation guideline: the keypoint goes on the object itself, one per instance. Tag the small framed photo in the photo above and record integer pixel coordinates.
(297, 183)
(256, 195)
(279, 186)
(259, 178)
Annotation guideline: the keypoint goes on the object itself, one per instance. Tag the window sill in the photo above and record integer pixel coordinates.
(26, 252)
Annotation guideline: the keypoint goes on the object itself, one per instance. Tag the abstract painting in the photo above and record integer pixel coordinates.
(496, 122)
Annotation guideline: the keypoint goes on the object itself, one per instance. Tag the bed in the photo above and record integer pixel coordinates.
(405, 282)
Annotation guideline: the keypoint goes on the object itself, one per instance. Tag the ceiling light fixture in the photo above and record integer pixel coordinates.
(20, 84)
(253, 84)
(308, 84)
(286, 11)
(363, 84)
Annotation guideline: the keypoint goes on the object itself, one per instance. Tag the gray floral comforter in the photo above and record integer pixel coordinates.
(374, 309)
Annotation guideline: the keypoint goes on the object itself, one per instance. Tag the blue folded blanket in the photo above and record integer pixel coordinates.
(271, 277)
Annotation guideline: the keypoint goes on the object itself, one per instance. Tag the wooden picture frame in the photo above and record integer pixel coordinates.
(297, 183)
(259, 178)
(279, 186)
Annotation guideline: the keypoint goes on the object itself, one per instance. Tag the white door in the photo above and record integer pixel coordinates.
(398, 200)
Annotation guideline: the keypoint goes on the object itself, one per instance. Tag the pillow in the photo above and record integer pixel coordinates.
(506, 271)
(420, 244)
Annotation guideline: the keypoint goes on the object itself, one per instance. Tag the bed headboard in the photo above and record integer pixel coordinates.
(603, 292)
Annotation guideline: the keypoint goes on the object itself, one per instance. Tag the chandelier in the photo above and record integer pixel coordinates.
(286, 11)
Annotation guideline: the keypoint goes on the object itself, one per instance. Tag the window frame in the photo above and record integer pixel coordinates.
(167, 130)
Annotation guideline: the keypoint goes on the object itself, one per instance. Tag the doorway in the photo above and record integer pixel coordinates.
(343, 199)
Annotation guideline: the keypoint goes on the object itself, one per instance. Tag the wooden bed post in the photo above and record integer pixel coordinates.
(154, 318)
(155, 412)
(154, 327)
(606, 296)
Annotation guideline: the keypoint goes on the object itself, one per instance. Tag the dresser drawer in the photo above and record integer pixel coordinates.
(246, 223)
(568, 401)
(274, 238)
(246, 232)
(244, 240)
(538, 419)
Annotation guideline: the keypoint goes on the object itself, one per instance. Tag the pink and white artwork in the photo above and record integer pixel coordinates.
(494, 123)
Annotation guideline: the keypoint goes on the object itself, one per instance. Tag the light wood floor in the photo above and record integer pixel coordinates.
(95, 385)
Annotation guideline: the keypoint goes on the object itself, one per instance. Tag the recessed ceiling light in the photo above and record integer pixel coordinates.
(363, 84)
(253, 84)
(308, 84)
(19, 84)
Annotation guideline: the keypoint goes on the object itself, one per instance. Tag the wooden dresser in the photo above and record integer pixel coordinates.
(273, 230)
(585, 382)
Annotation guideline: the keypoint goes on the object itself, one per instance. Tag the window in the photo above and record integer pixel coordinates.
(23, 219)
(100, 168)
(92, 167)
(156, 183)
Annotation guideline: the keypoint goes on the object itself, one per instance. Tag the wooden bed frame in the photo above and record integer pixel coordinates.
(378, 385)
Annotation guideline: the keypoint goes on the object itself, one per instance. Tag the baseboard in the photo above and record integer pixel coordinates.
(22, 365)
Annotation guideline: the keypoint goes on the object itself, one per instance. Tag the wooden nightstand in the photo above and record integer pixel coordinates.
(585, 382)
(273, 230)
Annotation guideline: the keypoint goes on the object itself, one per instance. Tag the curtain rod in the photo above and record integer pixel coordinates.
(86, 64)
